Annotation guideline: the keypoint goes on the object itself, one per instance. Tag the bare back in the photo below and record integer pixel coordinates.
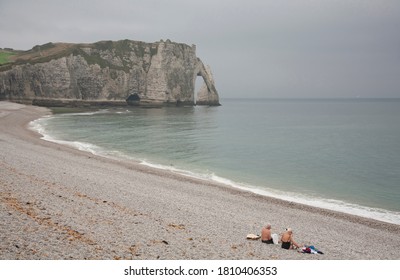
(266, 234)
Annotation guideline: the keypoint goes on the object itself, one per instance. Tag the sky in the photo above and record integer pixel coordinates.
(256, 49)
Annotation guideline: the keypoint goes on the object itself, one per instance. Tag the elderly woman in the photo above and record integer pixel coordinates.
(287, 240)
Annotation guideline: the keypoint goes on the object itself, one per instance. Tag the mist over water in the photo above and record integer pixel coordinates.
(337, 154)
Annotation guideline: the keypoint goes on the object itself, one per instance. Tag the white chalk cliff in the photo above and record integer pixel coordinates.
(107, 72)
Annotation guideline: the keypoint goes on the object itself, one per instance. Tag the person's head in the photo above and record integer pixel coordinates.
(289, 230)
(268, 226)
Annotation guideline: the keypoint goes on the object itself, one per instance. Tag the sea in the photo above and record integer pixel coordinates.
(338, 154)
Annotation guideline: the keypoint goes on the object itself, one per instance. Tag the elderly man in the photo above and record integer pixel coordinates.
(266, 235)
(288, 241)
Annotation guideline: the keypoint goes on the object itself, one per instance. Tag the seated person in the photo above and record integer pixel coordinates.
(288, 241)
(266, 235)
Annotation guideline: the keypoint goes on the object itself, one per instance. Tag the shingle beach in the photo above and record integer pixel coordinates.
(60, 203)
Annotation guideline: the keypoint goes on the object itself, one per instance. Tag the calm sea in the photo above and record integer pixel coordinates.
(337, 154)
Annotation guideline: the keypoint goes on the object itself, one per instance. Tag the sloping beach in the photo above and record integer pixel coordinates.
(60, 203)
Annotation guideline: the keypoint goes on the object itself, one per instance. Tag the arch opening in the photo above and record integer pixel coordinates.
(133, 99)
(199, 83)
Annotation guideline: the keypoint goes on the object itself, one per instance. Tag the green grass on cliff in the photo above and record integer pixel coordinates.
(47, 52)
(5, 56)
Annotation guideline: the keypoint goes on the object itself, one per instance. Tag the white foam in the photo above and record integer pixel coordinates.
(122, 112)
(87, 113)
(37, 126)
(170, 168)
(330, 204)
(82, 146)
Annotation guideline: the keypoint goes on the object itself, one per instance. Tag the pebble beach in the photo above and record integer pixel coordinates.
(57, 202)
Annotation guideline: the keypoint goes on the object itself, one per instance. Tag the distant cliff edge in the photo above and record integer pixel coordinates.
(106, 73)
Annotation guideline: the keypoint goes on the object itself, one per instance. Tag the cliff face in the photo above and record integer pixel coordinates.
(107, 72)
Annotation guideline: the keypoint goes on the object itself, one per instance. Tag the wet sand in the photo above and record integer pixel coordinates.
(60, 203)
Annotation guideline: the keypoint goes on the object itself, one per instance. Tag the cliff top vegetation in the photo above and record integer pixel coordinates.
(50, 51)
(6, 56)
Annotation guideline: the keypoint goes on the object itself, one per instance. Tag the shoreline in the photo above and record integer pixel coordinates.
(149, 213)
(375, 213)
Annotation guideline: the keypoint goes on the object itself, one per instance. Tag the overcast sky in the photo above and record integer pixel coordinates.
(265, 48)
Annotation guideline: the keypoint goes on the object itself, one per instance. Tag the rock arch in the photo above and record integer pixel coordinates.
(207, 94)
